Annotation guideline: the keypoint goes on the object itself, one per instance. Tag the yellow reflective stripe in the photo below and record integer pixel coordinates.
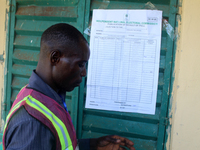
(20, 90)
(15, 107)
(69, 148)
(12, 110)
(63, 134)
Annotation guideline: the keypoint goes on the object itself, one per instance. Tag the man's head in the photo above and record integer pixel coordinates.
(63, 55)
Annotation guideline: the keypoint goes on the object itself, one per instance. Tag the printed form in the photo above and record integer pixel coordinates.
(124, 62)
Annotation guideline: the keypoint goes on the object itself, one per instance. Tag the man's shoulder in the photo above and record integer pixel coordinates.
(23, 128)
(21, 116)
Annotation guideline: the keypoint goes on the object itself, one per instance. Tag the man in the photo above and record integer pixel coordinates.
(38, 119)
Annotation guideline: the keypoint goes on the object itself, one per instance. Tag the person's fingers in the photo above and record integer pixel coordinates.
(122, 141)
(127, 141)
(115, 147)
(116, 140)
(106, 140)
(122, 148)
(132, 148)
(113, 139)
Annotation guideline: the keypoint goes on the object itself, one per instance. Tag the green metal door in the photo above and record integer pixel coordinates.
(28, 20)
(146, 131)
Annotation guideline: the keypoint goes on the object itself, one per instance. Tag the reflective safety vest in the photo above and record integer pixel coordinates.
(50, 113)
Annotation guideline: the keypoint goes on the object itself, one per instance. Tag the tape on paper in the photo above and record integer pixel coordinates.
(165, 24)
(103, 5)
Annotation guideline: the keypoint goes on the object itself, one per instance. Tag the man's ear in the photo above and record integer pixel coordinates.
(55, 57)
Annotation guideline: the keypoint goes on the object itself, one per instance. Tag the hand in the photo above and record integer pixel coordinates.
(112, 142)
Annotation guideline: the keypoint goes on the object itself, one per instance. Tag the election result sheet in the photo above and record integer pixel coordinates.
(124, 62)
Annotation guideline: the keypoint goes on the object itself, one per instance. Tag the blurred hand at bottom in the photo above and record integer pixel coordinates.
(111, 142)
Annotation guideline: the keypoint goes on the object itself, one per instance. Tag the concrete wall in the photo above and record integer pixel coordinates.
(185, 133)
(2, 46)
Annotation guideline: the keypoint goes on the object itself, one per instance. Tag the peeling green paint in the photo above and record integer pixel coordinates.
(172, 110)
(1, 121)
(1, 58)
(180, 2)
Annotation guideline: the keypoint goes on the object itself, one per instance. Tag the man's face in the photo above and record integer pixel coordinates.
(68, 73)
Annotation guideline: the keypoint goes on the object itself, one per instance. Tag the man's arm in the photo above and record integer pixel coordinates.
(25, 132)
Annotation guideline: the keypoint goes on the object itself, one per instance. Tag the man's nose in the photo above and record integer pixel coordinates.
(83, 73)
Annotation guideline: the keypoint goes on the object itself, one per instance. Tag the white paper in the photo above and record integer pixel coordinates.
(124, 62)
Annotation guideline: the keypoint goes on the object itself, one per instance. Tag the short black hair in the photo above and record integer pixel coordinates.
(61, 34)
